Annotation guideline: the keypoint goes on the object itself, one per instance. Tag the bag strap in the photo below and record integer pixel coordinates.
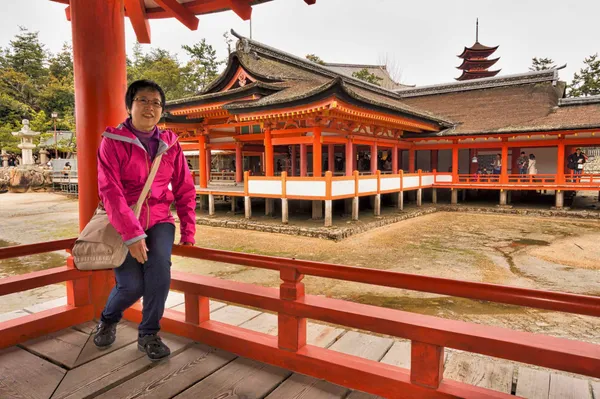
(138, 206)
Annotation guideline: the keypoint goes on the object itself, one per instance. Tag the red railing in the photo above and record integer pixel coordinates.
(429, 335)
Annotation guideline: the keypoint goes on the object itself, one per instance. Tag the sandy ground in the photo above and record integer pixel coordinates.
(553, 254)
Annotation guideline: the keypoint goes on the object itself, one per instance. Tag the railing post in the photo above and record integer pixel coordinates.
(291, 329)
(78, 291)
(427, 364)
(197, 308)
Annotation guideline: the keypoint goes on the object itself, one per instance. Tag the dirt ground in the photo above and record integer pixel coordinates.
(552, 254)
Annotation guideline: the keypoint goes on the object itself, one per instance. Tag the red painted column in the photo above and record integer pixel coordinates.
(331, 158)
(317, 152)
(294, 160)
(400, 166)
(202, 161)
(208, 164)
(455, 163)
(239, 163)
(303, 160)
(411, 160)
(349, 157)
(98, 29)
(515, 154)
(374, 158)
(561, 162)
(268, 153)
(504, 169)
(395, 159)
(434, 160)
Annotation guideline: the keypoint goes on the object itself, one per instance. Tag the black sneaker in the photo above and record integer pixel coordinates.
(154, 347)
(105, 334)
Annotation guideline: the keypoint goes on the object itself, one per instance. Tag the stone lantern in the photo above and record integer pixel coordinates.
(26, 135)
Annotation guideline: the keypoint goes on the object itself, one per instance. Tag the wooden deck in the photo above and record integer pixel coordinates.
(66, 364)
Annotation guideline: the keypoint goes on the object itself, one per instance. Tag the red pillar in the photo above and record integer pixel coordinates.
(317, 152)
(568, 151)
(349, 155)
(331, 158)
(400, 165)
(434, 160)
(239, 163)
(98, 29)
(515, 154)
(202, 161)
(455, 163)
(395, 159)
(374, 158)
(561, 162)
(268, 153)
(294, 160)
(411, 160)
(504, 159)
(303, 160)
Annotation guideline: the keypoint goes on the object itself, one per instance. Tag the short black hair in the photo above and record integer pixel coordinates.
(142, 84)
(523, 152)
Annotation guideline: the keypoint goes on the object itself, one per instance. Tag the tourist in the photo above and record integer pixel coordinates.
(531, 168)
(497, 165)
(67, 169)
(523, 163)
(123, 165)
(576, 160)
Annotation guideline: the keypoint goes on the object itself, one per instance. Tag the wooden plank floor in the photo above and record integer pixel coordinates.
(67, 365)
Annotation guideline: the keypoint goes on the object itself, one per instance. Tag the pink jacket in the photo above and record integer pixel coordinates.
(123, 167)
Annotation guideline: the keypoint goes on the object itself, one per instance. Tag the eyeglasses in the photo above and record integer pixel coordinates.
(145, 101)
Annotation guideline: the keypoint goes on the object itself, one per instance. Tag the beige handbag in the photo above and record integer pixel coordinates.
(99, 245)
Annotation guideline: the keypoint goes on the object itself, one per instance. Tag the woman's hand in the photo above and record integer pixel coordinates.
(139, 251)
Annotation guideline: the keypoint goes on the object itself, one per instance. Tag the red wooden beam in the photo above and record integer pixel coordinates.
(68, 13)
(136, 10)
(310, 2)
(242, 8)
(181, 13)
(23, 282)
(32, 249)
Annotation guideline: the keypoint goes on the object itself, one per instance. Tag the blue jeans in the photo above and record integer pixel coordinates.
(578, 171)
(150, 280)
(523, 171)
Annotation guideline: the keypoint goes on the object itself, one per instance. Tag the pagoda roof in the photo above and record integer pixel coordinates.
(469, 64)
(294, 81)
(477, 74)
(478, 50)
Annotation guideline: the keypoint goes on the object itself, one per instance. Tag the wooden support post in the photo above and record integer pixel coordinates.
(294, 171)
(374, 158)
(328, 201)
(317, 152)
(233, 200)
(269, 159)
(504, 160)
(247, 207)
(503, 197)
(355, 208)
(328, 213)
(427, 364)
(303, 160)
(560, 162)
(202, 162)
(515, 154)
(269, 206)
(472, 166)
(331, 157)
(377, 204)
(197, 308)
(453, 196)
(419, 197)
(411, 160)
(401, 193)
(349, 155)
(211, 205)
(317, 209)
(239, 164)
(455, 163)
(560, 199)
(395, 159)
(291, 329)
(434, 195)
(284, 201)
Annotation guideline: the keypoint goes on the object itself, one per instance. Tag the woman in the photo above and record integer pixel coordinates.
(124, 159)
(531, 168)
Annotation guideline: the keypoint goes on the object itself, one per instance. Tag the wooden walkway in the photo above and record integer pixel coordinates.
(66, 364)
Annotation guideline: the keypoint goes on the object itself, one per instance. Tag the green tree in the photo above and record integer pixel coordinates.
(158, 65)
(367, 76)
(61, 64)
(27, 55)
(315, 58)
(9, 142)
(202, 68)
(540, 64)
(587, 81)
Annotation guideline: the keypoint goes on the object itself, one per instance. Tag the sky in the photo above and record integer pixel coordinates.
(420, 39)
